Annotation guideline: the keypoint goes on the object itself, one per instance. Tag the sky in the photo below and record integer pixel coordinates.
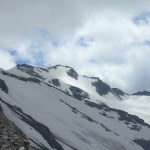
(108, 39)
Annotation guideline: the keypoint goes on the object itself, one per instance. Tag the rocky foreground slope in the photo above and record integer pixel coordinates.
(11, 137)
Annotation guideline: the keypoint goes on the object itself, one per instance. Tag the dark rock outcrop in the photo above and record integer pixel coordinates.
(118, 92)
(3, 86)
(56, 66)
(21, 78)
(29, 70)
(72, 73)
(11, 137)
(78, 93)
(142, 93)
(145, 144)
(56, 82)
(101, 87)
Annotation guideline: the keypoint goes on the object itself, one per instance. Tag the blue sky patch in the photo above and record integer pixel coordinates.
(37, 53)
(142, 19)
(20, 61)
(147, 43)
(84, 41)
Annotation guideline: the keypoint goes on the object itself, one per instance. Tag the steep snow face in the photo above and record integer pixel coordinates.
(54, 120)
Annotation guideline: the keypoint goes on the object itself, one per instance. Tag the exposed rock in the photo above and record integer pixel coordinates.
(143, 143)
(25, 66)
(56, 82)
(72, 73)
(29, 70)
(101, 87)
(11, 137)
(3, 86)
(118, 92)
(91, 77)
(141, 93)
(56, 66)
(78, 93)
(21, 78)
(46, 70)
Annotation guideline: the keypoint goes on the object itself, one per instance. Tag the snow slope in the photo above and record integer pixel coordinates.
(67, 77)
(53, 119)
(113, 97)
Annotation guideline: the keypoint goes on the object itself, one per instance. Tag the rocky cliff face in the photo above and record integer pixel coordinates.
(11, 138)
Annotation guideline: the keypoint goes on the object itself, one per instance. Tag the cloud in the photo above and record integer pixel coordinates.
(140, 108)
(142, 19)
(97, 38)
(6, 60)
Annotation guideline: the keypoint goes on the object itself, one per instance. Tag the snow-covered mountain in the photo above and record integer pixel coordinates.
(81, 87)
(68, 80)
(56, 108)
(141, 93)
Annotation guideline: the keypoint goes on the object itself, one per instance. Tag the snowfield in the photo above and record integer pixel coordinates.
(58, 109)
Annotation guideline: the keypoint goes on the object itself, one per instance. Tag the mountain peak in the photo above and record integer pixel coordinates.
(142, 93)
(24, 65)
(56, 66)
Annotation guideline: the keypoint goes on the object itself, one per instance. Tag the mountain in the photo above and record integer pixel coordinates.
(56, 108)
(68, 80)
(141, 93)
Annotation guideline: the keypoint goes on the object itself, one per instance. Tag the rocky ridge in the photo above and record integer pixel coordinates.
(11, 137)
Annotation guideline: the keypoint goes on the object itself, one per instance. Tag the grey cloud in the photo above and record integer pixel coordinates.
(58, 17)
(6, 60)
